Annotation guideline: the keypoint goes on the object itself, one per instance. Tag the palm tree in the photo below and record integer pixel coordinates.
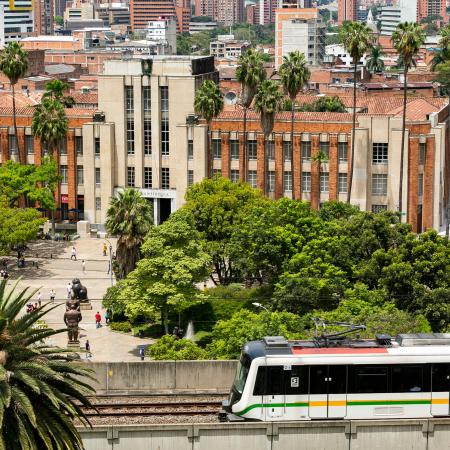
(14, 64)
(129, 217)
(209, 104)
(41, 390)
(320, 158)
(356, 38)
(407, 39)
(443, 54)
(294, 74)
(56, 89)
(374, 63)
(250, 73)
(268, 101)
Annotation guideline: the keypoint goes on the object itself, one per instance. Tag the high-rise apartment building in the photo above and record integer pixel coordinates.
(43, 17)
(391, 16)
(426, 8)
(18, 19)
(227, 12)
(347, 10)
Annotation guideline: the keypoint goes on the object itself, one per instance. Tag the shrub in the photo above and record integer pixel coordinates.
(171, 348)
(124, 327)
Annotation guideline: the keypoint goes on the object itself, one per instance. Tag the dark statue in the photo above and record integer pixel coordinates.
(72, 317)
(79, 291)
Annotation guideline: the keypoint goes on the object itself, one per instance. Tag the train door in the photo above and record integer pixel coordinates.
(274, 393)
(327, 392)
(440, 385)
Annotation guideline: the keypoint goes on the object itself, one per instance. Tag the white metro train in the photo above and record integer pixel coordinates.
(277, 380)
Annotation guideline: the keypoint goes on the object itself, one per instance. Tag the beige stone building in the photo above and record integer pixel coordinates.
(147, 139)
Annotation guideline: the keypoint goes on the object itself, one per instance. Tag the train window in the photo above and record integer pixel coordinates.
(269, 381)
(441, 377)
(241, 374)
(317, 379)
(337, 376)
(369, 379)
(408, 379)
(296, 380)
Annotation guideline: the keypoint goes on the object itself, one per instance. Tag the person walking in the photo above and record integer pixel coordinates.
(39, 297)
(98, 320)
(73, 256)
(142, 353)
(104, 248)
(83, 266)
(69, 290)
(88, 349)
(52, 295)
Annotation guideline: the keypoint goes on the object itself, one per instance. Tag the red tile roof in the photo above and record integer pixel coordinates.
(286, 116)
(29, 110)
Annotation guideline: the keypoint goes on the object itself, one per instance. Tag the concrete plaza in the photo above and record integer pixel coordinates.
(49, 266)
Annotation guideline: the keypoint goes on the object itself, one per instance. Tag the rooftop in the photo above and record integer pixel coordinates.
(50, 39)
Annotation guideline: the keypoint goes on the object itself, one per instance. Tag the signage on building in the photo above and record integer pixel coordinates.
(64, 198)
(158, 193)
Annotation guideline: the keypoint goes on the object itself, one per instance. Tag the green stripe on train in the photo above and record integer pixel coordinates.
(349, 403)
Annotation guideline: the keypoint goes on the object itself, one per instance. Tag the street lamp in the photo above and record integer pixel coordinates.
(110, 261)
(258, 305)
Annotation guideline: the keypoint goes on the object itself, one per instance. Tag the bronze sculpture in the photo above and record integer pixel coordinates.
(79, 291)
(72, 317)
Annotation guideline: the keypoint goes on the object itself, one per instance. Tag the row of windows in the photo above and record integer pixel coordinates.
(148, 177)
(352, 379)
(29, 145)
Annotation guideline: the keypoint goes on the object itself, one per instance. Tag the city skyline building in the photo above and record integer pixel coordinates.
(347, 10)
(18, 19)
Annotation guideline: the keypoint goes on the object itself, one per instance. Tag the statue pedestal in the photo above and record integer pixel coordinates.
(75, 345)
(85, 306)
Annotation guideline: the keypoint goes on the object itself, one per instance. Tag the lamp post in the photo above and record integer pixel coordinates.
(110, 261)
(258, 305)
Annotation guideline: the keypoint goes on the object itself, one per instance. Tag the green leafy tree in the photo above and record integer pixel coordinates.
(14, 64)
(218, 207)
(294, 74)
(56, 90)
(129, 217)
(174, 259)
(407, 40)
(374, 62)
(41, 388)
(171, 348)
(250, 73)
(325, 104)
(356, 38)
(209, 104)
(59, 20)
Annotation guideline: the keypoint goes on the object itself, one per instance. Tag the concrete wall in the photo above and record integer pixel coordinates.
(419, 434)
(163, 376)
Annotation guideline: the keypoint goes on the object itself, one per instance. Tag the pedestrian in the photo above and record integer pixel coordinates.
(83, 265)
(98, 320)
(104, 248)
(88, 350)
(142, 353)
(69, 290)
(109, 267)
(73, 256)
(39, 296)
(35, 307)
(52, 295)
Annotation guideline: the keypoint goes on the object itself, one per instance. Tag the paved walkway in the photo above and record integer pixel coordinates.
(48, 266)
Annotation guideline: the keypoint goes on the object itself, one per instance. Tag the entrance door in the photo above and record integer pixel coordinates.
(327, 392)
(274, 397)
(440, 385)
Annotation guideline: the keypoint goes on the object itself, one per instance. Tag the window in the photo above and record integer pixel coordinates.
(190, 149)
(98, 203)
(97, 175)
(97, 147)
(407, 378)
(324, 182)
(29, 144)
(79, 145)
(328, 378)
(234, 176)
(130, 136)
(306, 151)
(148, 177)
(306, 181)
(251, 150)
(324, 147)
(270, 150)
(420, 187)
(379, 184)
(270, 181)
(63, 173)
(440, 380)
(379, 208)
(146, 99)
(343, 152)
(63, 146)
(216, 145)
(368, 379)
(342, 183)
(269, 381)
(287, 181)
(165, 178)
(80, 175)
(287, 151)
(379, 153)
(190, 178)
(12, 144)
(252, 178)
(129, 100)
(234, 149)
(164, 98)
(147, 136)
(130, 176)
(422, 150)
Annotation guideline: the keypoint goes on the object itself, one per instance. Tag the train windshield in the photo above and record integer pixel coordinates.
(241, 374)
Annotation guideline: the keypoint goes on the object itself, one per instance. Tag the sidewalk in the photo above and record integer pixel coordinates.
(55, 272)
